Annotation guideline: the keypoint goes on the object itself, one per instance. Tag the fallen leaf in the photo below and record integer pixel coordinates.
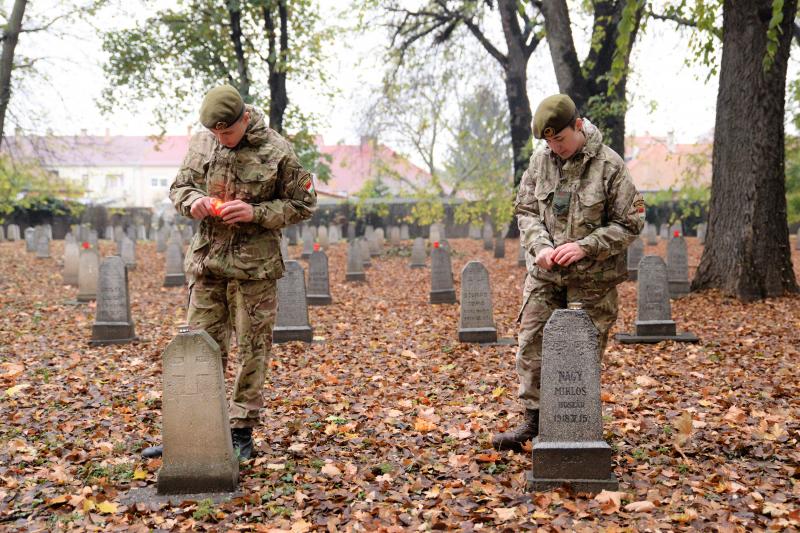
(609, 500)
(640, 507)
(330, 470)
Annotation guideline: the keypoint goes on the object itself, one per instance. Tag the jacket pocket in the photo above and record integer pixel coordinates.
(592, 207)
(255, 182)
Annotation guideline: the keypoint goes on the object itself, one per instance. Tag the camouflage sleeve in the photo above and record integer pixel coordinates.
(625, 219)
(533, 233)
(296, 200)
(189, 184)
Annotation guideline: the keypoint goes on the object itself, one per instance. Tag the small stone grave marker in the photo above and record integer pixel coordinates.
(404, 235)
(365, 253)
(677, 267)
(487, 237)
(174, 275)
(30, 240)
(89, 264)
(128, 252)
(355, 263)
(322, 237)
(291, 321)
(476, 324)
(13, 232)
(499, 246)
(71, 260)
(521, 261)
(113, 323)
(635, 254)
(418, 254)
(442, 289)
(319, 290)
(42, 245)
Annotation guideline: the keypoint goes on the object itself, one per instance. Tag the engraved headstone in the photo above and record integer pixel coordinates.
(175, 237)
(128, 252)
(334, 234)
(92, 238)
(141, 233)
(418, 254)
(322, 237)
(118, 232)
(69, 237)
(676, 226)
(434, 233)
(291, 321)
(653, 312)
(394, 235)
(663, 232)
(374, 245)
(404, 235)
(2, 234)
(380, 238)
(499, 246)
(71, 259)
(84, 233)
(477, 316)
(369, 231)
(291, 234)
(570, 449)
(635, 254)
(442, 290)
(677, 267)
(701, 232)
(351, 231)
(48, 229)
(308, 245)
(113, 323)
(198, 451)
(13, 232)
(109, 233)
(651, 235)
(521, 261)
(174, 276)
(796, 244)
(130, 232)
(319, 290)
(88, 265)
(365, 255)
(487, 237)
(42, 245)
(284, 249)
(475, 232)
(30, 240)
(355, 263)
(161, 239)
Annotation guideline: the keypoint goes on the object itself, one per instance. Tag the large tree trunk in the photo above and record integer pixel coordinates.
(235, 18)
(747, 251)
(278, 98)
(10, 38)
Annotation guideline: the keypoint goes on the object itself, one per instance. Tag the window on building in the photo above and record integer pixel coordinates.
(154, 182)
(163, 182)
(113, 181)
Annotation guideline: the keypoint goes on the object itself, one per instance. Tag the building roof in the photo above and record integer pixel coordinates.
(658, 164)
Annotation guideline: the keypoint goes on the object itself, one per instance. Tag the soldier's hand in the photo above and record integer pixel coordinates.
(236, 211)
(568, 253)
(544, 259)
(201, 208)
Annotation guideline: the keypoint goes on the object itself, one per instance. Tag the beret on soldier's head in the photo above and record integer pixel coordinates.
(221, 108)
(553, 115)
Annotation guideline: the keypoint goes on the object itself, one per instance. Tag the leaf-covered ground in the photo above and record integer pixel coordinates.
(385, 425)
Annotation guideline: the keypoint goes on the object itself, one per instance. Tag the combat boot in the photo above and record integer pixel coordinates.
(513, 440)
(242, 442)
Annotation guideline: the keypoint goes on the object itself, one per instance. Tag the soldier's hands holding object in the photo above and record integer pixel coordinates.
(236, 211)
(568, 253)
(544, 259)
(202, 208)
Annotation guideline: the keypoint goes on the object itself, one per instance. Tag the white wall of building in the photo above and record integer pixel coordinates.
(122, 186)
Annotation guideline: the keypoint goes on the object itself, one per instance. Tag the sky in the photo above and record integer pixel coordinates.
(667, 96)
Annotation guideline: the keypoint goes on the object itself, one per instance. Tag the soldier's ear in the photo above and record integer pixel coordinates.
(579, 124)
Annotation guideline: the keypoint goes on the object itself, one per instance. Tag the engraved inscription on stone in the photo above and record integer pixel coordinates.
(319, 291)
(653, 292)
(476, 297)
(292, 308)
(112, 294)
(89, 264)
(677, 260)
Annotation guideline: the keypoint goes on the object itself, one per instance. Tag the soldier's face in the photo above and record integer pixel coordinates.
(232, 135)
(568, 141)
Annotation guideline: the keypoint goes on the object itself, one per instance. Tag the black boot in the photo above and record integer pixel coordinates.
(242, 442)
(513, 440)
(153, 451)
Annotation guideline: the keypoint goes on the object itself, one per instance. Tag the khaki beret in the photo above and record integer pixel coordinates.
(553, 115)
(221, 108)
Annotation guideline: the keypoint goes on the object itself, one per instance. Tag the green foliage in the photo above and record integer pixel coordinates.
(773, 34)
(428, 210)
(373, 189)
(28, 187)
(309, 155)
(625, 31)
(705, 33)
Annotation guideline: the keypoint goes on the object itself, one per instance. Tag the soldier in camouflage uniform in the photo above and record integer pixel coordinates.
(578, 211)
(243, 181)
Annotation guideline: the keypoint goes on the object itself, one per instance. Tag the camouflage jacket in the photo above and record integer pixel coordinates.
(263, 171)
(589, 199)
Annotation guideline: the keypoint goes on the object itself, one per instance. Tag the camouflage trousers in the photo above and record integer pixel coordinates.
(540, 299)
(219, 305)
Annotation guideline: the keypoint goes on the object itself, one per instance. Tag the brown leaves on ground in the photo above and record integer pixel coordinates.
(385, 425)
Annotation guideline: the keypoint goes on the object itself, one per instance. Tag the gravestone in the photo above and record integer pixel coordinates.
(394, 235)
(663, 232)
(475, 232)
(291, 234)
(174, 275)
(291, 321)
(477, 316)
(351, 231)
(334, 234)
(161, 239)
(2, 234)
(308, 245)
(651, 235)
(380, 237)
(113, 323)
(322, 237)
(128, 252)
(418, 255)
(30, 240)
(42, 245)
(521, 261)
(677, 267)
(677, 226)
(319, 290)
(442, 290)
(13, 232)
(69, 237)
(635, 254)
(701, 232)
(88, 265)
(130, 232)
(355, 263)
(187, 233)
(570, 449)
(653, 312)
(84, 233)
(365, 255)
(118, 232)
(404, 235)
(487, 237)
(141, 233)
(284, 249)
(368, 232)
(175, 237)
(198, 451)
(499, 246)
(71, 260)
(92, 238)
(796, 244)
(109, 233)
(374, 245)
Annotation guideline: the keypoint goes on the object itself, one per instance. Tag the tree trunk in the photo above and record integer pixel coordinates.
(10, 38)
(278, 98)
(235, 17)
(747, 251)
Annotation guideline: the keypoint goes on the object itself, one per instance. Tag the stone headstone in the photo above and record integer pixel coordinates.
(291, 234)
(175, 237)
(161, 239)
(291, 321)
(174, 277)
(475, 232)
(394, 235)
(651, 235)
(442, 290)
(69, 237)
(380, 237)
(499, 246)
(84, 233)
(128, 252)
(570, 449)
(30, 240)
(130, 232)
(71, 260)
(308, 246)
(418, 254)
(374, 245)
(355, 263)
(404, 235)
(109, 233)
(284, 249)
(141, 233)
(635, 254)
(48, 230)
(487, 237)
(319, 290)
(2, 234)
(435, 233)
(369, 231)
(521, 261)
(113, 323)
(322, 237)
(313, 230)
(677, 267)
(663, 232)
(654, 312)
(198, 451)
(796, 244)
(88, 266)
(118, 232)
(365, 253)
(42, 246)
(477, 316)
(92, 238)
(334, 234)
(676, 226)
(13, 232)
(701, 232)
(351, 231)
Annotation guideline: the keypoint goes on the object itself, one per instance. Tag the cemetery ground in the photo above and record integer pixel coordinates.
(384, 422)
